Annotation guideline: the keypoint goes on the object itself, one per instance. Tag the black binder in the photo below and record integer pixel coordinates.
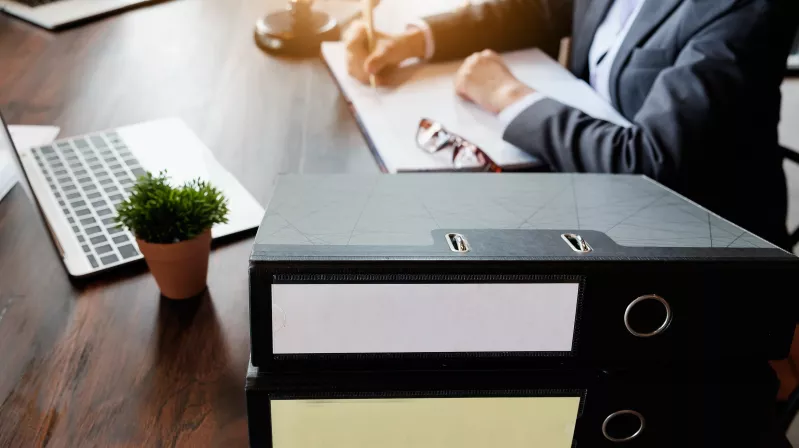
(692, 407)
(483, 271)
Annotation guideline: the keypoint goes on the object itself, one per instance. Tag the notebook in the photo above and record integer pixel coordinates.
(389, 115)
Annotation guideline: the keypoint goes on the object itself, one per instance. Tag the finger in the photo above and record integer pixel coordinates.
(353, 31)
(465, 74)
(355, 37)
(355, 68)
(459, 75)
(472, 59)
(357, 51)
(460, 84)
(383, 80)
(490, 55)
(463, 93)
(457, 83)
(357, 32)
(468, 65)
(387, 53)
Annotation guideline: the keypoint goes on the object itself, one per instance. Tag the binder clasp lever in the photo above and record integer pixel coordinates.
(457, 243)
(576, 242)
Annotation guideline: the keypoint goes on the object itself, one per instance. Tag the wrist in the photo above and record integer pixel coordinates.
(511, 93)
(414, 40)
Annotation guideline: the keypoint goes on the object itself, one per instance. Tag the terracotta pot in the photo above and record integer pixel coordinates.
(180, 269)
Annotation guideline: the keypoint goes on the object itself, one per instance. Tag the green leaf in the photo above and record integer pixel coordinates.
(157, 212)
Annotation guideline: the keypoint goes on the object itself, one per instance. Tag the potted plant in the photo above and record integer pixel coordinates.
(172, 226)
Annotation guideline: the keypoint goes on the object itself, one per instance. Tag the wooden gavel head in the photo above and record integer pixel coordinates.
(296, 30)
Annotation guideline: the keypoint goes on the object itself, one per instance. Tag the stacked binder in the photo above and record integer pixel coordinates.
(514, 310)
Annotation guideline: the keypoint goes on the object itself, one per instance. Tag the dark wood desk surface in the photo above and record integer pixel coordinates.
(107, 362)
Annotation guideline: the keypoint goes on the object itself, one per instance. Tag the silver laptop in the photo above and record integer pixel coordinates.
(77, 183)
(52, 14)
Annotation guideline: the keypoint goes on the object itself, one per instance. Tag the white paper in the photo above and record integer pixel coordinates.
(539, 71)
(24, 137)
(391, 114)
(418, 318)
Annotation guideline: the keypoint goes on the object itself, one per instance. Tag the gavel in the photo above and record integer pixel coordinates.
(296, 30)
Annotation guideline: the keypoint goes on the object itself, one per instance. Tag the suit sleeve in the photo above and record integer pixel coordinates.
(691, 106)
(501, 25)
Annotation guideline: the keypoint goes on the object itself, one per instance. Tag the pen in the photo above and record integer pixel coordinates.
(368, 7)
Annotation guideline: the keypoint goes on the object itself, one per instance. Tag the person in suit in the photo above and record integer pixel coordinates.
(699, 79)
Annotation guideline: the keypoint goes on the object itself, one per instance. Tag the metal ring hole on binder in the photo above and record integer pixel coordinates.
(613, 416)
(576, 242)
(278, 318)
(457, 243)
(663, 326)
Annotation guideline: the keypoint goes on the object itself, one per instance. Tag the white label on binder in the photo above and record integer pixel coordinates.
(507, 422)
(419, 318)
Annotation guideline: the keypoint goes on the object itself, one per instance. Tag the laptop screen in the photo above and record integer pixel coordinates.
(10, 158)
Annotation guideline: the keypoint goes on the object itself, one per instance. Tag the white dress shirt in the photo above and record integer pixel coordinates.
(604, 48)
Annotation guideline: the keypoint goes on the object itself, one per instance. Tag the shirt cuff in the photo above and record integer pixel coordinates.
(429, 45)
(508, 114)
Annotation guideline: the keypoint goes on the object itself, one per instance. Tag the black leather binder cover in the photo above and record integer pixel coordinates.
(712, 407)
(731, 293)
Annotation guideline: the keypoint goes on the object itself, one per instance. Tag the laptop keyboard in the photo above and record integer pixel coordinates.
(34, 3)
(89, 176)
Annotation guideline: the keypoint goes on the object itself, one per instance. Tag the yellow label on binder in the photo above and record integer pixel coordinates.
(507, 422)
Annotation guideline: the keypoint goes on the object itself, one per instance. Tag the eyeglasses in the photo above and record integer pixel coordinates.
(432, 137)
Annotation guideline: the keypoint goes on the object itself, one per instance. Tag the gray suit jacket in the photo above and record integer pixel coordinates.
(699, 79)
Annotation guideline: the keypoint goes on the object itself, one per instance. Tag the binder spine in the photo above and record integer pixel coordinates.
(260, 309)
(264, 353)
(691, 407)
(709, 312)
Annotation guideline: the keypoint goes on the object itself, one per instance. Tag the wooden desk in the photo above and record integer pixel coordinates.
(107, 363)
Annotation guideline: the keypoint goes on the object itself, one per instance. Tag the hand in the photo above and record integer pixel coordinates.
(485, 80)
(389, 51)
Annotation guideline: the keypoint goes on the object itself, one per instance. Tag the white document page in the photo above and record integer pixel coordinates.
(23, 137)
(390, 114)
